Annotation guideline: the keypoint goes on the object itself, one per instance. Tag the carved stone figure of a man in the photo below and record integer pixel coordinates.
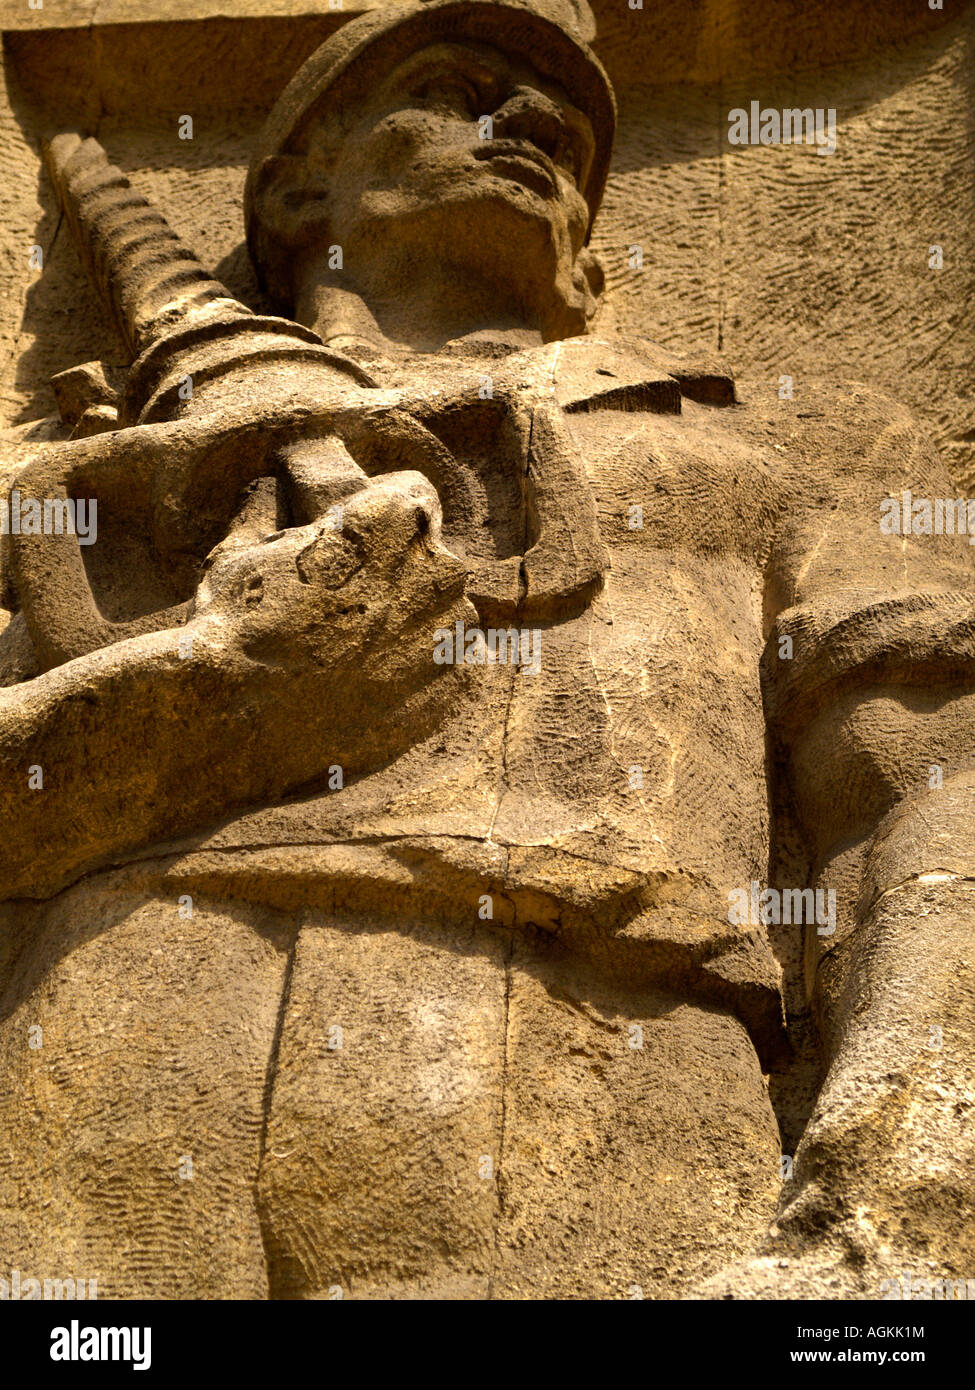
(462, 1012)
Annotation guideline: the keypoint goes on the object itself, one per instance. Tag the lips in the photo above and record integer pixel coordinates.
(522, 162)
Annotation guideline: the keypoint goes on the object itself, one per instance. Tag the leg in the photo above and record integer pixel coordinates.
(883, 1183)
(377, 1179)
(493, 1127)
(132, 1120)
(640, 1148)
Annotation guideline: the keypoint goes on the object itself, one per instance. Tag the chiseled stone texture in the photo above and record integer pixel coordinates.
(332, 963)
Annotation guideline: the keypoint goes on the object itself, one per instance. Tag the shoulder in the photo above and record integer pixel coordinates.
(847, 431)
(626, 373)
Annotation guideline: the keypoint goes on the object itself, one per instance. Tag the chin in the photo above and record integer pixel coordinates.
(517, 230)
(491, 229)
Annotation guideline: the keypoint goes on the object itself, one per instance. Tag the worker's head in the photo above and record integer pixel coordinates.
(464, 142)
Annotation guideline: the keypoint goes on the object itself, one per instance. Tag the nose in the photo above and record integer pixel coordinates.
(394, 523)
(394, 510)
(528, 114)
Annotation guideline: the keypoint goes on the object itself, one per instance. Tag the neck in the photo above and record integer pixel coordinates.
(425, 314)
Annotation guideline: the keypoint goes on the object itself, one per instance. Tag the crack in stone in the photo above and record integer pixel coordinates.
(502, 1125)
(270, 1078)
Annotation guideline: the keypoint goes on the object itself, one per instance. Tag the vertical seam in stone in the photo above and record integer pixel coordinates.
(269, 1080)
(499, 1175)
(503, 779)
(509, 946)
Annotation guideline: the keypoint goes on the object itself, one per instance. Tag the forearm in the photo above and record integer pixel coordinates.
(888, 1154)
(110, 750)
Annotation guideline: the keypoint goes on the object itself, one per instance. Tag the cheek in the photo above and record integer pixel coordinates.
(408, 143)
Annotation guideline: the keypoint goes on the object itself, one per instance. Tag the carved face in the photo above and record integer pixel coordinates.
(464, 125)
(464, 158)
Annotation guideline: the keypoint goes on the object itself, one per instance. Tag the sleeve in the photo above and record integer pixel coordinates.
(868, 672)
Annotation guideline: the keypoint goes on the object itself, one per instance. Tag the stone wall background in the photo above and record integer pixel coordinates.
(784, 261)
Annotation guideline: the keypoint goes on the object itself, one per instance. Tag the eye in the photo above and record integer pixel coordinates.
(451, 91)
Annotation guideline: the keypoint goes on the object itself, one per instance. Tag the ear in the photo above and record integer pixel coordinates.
(290, 196)
(589, 279)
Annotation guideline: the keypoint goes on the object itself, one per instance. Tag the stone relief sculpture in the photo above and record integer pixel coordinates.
(380, 786)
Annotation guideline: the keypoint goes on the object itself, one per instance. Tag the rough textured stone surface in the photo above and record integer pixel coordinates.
(331, 966)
